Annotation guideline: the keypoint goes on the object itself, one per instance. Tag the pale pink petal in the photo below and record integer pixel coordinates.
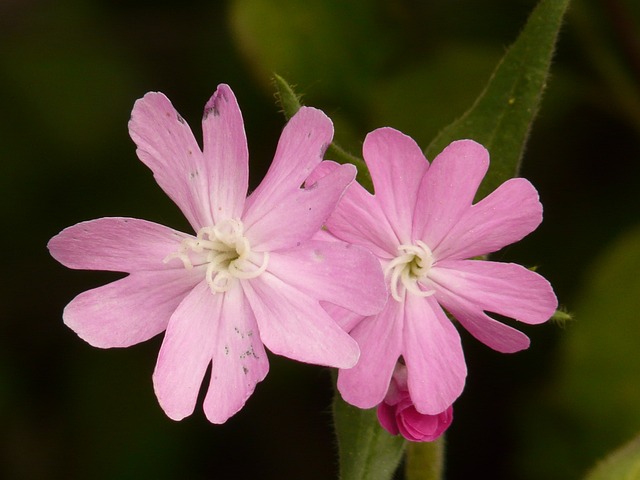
(503, 288)
(397, 166)
(301, 148)
(167, 146)
(494, 334)
(433, 354)
(187, 350)
(358, 218)
(447, 190)
(239, 359)
(323, 169)
(336, 272)
(226, 155)
(380, 341)
(130, 310)
(504, 217)
(116, 244)
(297, 216)
(294, 325)
(343, 317)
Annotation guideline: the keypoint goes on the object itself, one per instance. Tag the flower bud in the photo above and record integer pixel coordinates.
(398, 415)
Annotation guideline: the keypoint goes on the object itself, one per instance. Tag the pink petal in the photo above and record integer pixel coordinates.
(294, 325)
(239, 359)
(336, 272)
(187, 349)
(503, 288)
(504, 217)
(115, 244)
(167, 146)
(301, 147)
(226, 155)
(379, 338)
(343, 317)
(297, 216)
(492, 333)
(448, 189)
(359, 218)
(130, 310)
(387, 418)
(397, 166)
(433, 355)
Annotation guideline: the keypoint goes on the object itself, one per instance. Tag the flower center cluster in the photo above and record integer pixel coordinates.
(408, 269)
(225, 251)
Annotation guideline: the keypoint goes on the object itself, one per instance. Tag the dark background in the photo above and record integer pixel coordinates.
(70, 71)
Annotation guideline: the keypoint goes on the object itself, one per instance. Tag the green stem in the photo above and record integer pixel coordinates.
(425, 461)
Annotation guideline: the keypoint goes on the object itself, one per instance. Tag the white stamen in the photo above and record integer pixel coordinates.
(225, 251)
(409, 269)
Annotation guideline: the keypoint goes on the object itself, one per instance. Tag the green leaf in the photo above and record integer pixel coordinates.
(315, 42)
(501, 117)
(290, 103)
(623, 464)
(367, 451)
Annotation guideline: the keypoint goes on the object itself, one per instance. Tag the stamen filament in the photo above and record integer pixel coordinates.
(409, 269)
(225, 251)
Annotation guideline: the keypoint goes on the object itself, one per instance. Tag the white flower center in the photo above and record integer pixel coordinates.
(226, 252)
(409, 269)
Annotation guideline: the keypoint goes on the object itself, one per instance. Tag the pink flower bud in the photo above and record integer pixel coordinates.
(398, 415)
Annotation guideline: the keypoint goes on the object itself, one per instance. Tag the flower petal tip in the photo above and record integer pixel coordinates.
(222, 94)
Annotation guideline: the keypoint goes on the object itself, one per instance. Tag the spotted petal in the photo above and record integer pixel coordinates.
(239, 359)
(226, 155)
(301, 148)
(297, 216)
(206, 187)
(115, 244)
(130, 310)
(294, 325)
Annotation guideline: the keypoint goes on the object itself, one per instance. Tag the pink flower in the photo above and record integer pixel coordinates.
(251, 276)
(398, 415)
(424, 229)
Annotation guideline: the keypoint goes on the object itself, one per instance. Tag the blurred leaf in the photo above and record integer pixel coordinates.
(419, 98)
(502, 116)
(623, 464)
(617, 88)
(336, 43)
(594, 403)
(367, 451)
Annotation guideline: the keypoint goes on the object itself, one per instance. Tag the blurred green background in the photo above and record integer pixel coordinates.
(70, 71)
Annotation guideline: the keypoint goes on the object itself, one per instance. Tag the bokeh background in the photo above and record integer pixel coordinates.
(70, 71)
